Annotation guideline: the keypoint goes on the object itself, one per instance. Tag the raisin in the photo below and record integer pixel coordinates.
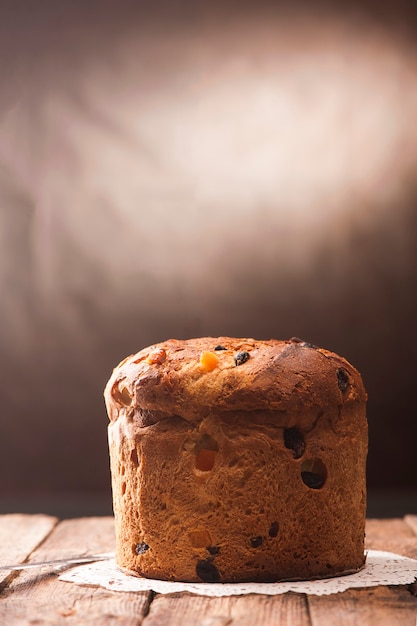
(342, 379)
(313, 473)
(141, 548)
(220, 348)
(302, 343)
(241, 357)
(214, 550)
(273, 529)
(313, 480)
(207, 572)
(255, 542)
(294, 441)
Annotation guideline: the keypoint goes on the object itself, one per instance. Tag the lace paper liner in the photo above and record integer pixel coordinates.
(381, 568)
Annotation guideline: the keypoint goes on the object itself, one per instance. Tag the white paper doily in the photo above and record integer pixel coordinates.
(382, 568)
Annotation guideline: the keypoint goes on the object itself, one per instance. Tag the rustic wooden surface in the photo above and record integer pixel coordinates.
(38, 597)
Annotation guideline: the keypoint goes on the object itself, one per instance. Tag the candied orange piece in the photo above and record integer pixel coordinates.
(200, 538)
(121, 394)
(204, 460)
(209, 361)
(157, 356)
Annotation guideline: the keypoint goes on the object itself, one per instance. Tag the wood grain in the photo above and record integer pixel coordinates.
(188, 610)
(40, 597)
(19, 536)
(392, 535)
(381, 606)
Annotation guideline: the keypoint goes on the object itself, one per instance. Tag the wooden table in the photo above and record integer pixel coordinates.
(39, 597)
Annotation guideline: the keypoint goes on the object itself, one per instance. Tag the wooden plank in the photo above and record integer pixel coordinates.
(188, 610)
(40, 597)
(385, 606)
(392, 535)
(19, 536)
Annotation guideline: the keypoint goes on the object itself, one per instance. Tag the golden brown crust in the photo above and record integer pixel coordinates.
(169, 379)
(228, 467)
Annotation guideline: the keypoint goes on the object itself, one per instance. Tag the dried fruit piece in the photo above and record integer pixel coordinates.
(209, 361)
(241, 357)
(140, 548)
(294, 441)
(121, 394)
(313, 473)
(205, 459)
(273, 529)
(206, 450)
(214, 550)
(157, 357)
(207, 572)
(220, 348)
(312, 480)
(302, 343)
(342, 379)
(188, 445)
(255, 542)
(199, 538)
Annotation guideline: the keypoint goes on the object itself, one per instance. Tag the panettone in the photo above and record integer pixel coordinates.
(238, 460)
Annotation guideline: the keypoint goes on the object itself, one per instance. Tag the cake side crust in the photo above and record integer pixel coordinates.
(180, 516)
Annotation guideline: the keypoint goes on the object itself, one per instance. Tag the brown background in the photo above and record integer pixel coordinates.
(177, 170)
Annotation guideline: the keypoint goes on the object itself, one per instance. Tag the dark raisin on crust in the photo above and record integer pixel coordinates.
(255, 542)
(313, 473)
(273, 529)
(342, 379)
(313, 480)
(220, 348)
(294, 441)
(302, 343)
(207, 572)
(241, 357)
(141, 548)
(214, 550)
